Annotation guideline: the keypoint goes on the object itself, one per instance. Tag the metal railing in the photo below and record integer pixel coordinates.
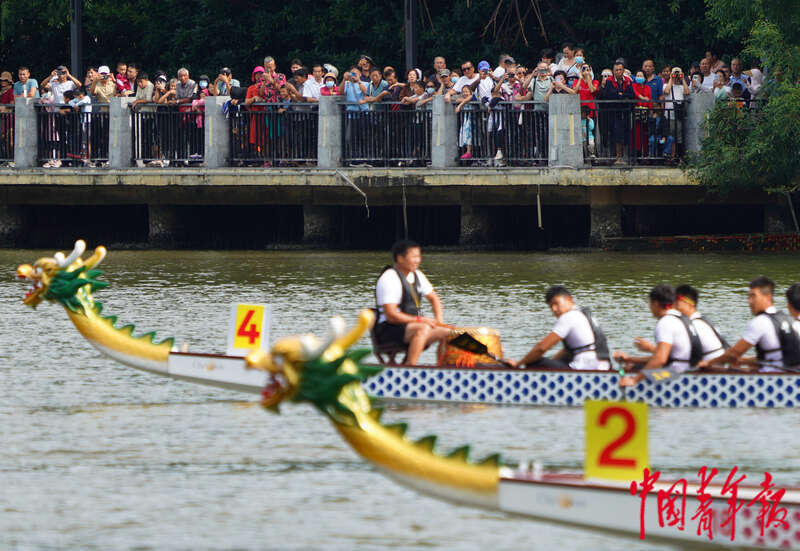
(167, 135)
(626, 132)
(273, 134)
(6, 133)
(385, 134)
(69, 137)
(510, 133)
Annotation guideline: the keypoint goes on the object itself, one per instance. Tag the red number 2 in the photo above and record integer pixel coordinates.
(252, 334)
(607, 458)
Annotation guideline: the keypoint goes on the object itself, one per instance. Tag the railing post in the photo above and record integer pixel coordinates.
(217, 132)
(444, 134)
(120, 133)
(699, 105)
(25, 138)
(566, 140)
(329, 133)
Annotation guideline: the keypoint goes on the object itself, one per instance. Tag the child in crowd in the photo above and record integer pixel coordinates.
(121, 78)
(587, 129)
(465, 107)
(82, 103)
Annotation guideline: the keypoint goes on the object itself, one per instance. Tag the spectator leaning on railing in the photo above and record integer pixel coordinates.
(6, 88)
(618, 87)
(186, 87)
(25, 87)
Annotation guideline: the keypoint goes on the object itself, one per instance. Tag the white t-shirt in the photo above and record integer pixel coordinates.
(58, 88)
(708, 81)
(575, 330)
(712, 346)
(675, 93)
(389, 289)
(464, 81)
(485, 87)
(311, 89)
(670, 330)
(761, 331)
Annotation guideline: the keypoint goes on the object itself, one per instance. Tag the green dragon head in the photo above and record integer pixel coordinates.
(307, 370)
(59, 278)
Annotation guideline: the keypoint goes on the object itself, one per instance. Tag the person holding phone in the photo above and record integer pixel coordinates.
(103, 88)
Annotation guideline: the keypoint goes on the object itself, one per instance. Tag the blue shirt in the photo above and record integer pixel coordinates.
(353, 94)
(656, 86)
(30, 85)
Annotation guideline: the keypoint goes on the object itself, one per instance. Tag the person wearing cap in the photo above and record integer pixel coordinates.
(223, 83)
(365, 65)
(25, 87)
(485, 81)
(329, 87)
(59, 81)
(103, 88)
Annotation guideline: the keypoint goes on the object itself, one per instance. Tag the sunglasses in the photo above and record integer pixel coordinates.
(467, 68)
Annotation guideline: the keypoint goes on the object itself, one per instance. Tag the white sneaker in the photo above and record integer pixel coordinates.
(48, 164)
(499, 155)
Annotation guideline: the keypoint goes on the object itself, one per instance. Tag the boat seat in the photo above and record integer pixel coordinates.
(386, 353)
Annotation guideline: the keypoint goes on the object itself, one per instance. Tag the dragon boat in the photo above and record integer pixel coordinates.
(328, 376)
(71, 281)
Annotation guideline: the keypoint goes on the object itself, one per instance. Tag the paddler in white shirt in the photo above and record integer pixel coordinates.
(399, 293)
(585, 345)
(677, 341)
(776, 335)
(712, 342)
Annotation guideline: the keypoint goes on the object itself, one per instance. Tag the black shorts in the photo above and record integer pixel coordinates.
(548, 363)
(390, 333)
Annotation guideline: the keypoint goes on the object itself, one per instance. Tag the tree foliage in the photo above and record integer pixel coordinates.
(205, 35)
(757, 149)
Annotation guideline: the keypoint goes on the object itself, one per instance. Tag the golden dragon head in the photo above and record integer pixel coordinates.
(58, 278)
(307, 369)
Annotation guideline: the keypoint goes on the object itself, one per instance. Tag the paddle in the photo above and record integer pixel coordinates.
(467, 342)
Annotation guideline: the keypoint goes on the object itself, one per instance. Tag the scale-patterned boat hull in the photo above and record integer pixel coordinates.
(572, 388)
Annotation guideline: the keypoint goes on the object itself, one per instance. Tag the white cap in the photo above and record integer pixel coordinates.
(104, 70)
(499, 72)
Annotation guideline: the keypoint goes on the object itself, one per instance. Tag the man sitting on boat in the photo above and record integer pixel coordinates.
(398, 293)
(776, 335)
(677, 345)
(585, 345)
(713, 344)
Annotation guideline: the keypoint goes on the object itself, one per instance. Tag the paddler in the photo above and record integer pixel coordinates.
(712, 342)
(774, 334)
(677, 343)
(585, 345)
(399, 293)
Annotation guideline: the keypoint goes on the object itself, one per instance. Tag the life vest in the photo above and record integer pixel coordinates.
(696, 353)
(722, 340)
(410, 302)
(600, 343)
(788, 339)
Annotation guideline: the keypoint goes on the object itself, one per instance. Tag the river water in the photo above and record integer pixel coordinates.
(97, 456)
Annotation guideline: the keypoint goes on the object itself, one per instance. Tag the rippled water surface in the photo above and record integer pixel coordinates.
(97, 456)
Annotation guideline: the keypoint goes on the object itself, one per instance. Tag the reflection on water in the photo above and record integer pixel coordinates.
(98, 456)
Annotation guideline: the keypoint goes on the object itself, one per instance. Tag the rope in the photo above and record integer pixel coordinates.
(355, 187)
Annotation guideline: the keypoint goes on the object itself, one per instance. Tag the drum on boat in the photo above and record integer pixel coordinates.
(462, 358)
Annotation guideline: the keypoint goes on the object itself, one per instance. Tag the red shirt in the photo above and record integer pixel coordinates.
(583, 91)
(8, 96)
(642, 90)
(122, 83)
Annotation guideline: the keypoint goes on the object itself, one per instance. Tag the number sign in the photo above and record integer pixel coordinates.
(616, 439)
(248, 328)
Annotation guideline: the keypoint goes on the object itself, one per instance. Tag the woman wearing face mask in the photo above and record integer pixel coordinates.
(642, 109)
(329, 87)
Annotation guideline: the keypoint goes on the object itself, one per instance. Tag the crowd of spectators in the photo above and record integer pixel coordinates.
(653, 94)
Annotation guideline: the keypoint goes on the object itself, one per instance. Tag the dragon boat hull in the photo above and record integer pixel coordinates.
(531, 387)
(605, 506)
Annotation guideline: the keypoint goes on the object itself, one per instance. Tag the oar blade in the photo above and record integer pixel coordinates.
(467, 342)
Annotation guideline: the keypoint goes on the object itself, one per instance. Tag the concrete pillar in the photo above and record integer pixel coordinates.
(698, 106)
(566, 146)
(329, 133)
(120, 132)
(12, 223)
(217, 133)
(318, 224)
(444, 138)
(163, 225)
(25, 146)
(475, 223)
(605, 217)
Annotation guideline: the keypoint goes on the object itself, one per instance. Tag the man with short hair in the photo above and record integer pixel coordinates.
(223, 83)
(439, 65)
(652, 80)
(468, 77)
(186, 86)
(793, 300)
(773, 333)
(132, 74)
(738, 76)
(618, 87)
(676, 338)
(706, 74)
(585, 345)
(547, 57)
(60, 81)
(25, 87)
(398, 295)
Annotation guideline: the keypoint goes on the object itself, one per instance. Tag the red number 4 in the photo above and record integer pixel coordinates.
(252, 333)
(607, 458)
